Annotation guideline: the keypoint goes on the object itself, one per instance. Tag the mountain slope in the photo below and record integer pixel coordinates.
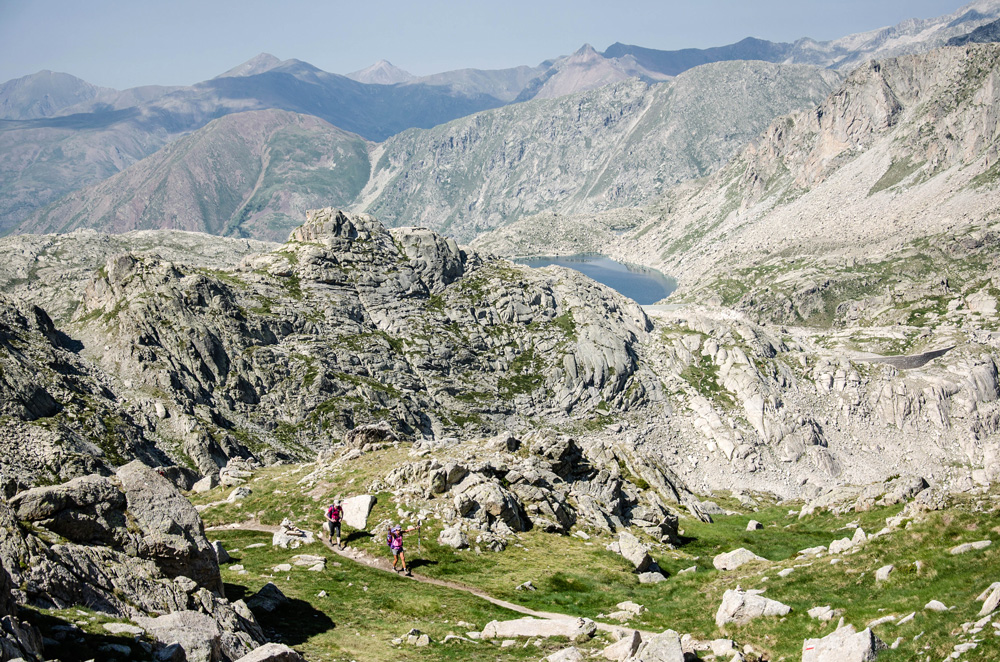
(43, 94)
(982, 34)
(50, 157)
(903, 154)
(246, 173)
(616, 146)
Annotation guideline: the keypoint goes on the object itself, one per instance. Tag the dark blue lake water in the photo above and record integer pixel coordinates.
(642, 285)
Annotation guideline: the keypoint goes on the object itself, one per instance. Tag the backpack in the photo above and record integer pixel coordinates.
(394, 540)
(334, 513)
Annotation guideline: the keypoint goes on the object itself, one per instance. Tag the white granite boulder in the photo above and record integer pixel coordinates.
(843, 645)
(634, 551)
(356, 511)
(574, 629)
(734, 559)
(624, 648)
(453, 537)
(741, 607)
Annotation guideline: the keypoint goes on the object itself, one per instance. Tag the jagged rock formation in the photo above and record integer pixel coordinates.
(349, 324)
(61, 417)
(126, 545)
(492, 491)
(358, 333)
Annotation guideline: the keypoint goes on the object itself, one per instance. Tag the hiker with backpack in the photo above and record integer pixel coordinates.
(394, 539)
(334, 515)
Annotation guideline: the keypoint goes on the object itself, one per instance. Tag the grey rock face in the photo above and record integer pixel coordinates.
(664, 647)
(129, 545)
(198, 634)
(173, 533)
(17, 639)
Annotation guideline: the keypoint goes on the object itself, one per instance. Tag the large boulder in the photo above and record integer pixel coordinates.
(843, 645)
(575, 629)
(173, 535)
(85, 509)
(357, 509)
(453, 537)
(139, 550)
(198, 634)
(624, 648)
(268, 599)
(734, 559)
(741, 607)
(664, 647)
(634, 551)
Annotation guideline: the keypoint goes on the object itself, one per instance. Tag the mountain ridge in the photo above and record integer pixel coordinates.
(633, 123)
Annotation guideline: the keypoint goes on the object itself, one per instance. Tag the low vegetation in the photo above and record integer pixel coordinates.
(364, 609)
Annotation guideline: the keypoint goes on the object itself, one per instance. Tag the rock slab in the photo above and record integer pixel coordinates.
(574, 629)
(734, 559)
(843, 645)
(356, 511)
(741, 607)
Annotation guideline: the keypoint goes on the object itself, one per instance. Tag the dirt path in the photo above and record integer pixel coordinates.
(385, 565)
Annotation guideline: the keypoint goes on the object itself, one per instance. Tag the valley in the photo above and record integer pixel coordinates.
(225, 307)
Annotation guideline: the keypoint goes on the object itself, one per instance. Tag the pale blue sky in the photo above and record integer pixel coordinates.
(126, 43)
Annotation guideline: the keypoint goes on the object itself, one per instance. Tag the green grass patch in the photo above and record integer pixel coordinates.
(896, 173)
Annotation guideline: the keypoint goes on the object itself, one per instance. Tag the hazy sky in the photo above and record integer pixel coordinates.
(126, 43)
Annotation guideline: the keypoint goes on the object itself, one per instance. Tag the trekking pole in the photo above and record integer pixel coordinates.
(418, 535)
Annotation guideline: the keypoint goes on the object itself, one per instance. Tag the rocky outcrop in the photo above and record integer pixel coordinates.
(384, 313)
(17, 638)
(556, 485)
(128, 545)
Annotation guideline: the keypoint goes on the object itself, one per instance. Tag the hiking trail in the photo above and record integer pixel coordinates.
(384, 564)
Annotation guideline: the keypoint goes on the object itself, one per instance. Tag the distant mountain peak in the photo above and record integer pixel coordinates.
(382, 72)
(586, 51)
(255, 65)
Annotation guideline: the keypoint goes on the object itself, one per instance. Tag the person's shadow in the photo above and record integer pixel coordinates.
(419, 563)
(356, 536)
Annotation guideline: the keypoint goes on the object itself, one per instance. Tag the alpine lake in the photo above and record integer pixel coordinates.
(643, 285)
